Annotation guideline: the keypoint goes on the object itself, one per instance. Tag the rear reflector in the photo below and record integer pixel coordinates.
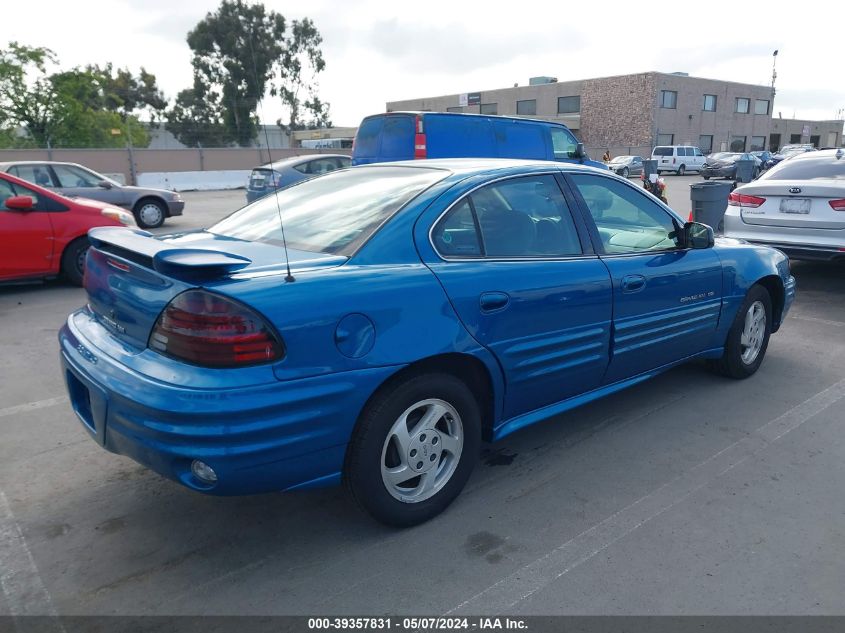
(744, 200)
(837, 205)
(206, 329)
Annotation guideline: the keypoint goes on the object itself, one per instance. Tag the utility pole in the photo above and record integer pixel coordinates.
(774, 76)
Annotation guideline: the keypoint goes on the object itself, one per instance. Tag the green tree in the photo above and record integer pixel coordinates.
(27, 96)
(196, 119)
(242, 51)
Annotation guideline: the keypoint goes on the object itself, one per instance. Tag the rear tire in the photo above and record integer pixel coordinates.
(682, 170)
(413, 449)
(706, 177)
(73, 260)
(748, 337)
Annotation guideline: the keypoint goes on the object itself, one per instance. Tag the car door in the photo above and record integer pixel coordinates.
(666, 299)
(525, 283)
(26, 237)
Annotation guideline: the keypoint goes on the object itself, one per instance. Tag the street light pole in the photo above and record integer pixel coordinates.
(774, 76)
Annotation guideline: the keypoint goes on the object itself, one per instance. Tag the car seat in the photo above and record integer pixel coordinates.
(507, 232)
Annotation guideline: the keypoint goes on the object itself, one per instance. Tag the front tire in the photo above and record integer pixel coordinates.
(73, 260)
(624, 172)
(748, 337)
(149, 213)
(413, 449)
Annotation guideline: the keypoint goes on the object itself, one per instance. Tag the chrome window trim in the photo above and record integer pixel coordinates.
(481, 258)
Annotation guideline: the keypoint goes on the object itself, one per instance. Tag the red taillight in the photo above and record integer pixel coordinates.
(744, 200)
(837, 205)
(420, 151)
(209, 330)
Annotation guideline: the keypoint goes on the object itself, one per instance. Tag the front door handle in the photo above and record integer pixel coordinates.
(493, 301)
(633, 283)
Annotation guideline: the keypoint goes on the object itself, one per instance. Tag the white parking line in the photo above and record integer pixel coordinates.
(502, 596)
(31, 406)
(20, 581)
(817, 320)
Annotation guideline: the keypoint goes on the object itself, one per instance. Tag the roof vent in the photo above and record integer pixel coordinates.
(539, 81)
(680, 74)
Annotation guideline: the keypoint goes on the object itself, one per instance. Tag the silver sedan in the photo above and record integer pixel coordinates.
(626, 165)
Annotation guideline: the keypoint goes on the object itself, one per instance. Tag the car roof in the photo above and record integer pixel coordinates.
(822, 156)
(12, 163)
(471, 166)
(466, 114)
(298, 160)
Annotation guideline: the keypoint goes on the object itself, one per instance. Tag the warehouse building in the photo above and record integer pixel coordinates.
(632, 113)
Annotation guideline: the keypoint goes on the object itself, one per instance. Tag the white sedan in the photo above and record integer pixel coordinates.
(798, 206)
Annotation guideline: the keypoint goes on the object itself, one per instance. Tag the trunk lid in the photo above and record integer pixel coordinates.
(794, 204)
(131, 275)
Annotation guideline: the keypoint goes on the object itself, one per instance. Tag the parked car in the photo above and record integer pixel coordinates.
(626, 165)
(281, 173)
(765, 157)
(43, 234)
(677, 158)
(788, 151)
(417, 135)
(417, 308)
(149, 206)
(797, 206)
(724, 165)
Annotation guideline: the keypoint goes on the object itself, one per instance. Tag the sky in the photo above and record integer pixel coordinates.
(379, 51)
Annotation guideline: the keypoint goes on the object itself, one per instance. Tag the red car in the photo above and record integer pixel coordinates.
(44, 234)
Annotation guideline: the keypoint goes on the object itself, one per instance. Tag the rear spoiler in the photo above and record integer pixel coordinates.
(141, 247)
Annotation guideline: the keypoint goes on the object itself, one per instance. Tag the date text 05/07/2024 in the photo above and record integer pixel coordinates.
(417, 624)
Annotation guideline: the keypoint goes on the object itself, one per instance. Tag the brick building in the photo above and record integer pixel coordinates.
(632, 113)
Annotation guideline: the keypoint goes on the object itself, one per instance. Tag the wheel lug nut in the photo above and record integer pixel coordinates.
(413, 452)
(433, 457)
(433, 441)
(419, 465)
(422, 437)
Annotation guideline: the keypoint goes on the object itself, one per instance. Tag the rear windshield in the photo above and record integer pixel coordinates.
(367, 138)
(333, 214)
(662, 151)
(827, 168)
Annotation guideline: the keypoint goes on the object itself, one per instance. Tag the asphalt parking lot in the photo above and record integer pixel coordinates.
(687, 494)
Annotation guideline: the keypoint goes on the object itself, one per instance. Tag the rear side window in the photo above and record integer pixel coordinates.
(519, 217)
(815, 169)
(662, 151)
(37, 174)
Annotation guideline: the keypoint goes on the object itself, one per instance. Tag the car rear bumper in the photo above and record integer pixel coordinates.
(806, 252)
(175, 207)
(279, 436)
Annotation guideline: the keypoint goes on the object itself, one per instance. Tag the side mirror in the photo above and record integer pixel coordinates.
(698, 235)
(20, 203)
(579, 151)
(105, 184)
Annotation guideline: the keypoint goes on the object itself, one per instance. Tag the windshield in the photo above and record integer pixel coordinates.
(333, 214)
(720, 155)
(621, 159)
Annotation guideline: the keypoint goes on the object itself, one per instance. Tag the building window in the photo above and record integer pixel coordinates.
(668, 99)
(455, 109)
(568, 105)
(665, 139)
(489, 108)
(737, 143)
(742, 105)
(709, 104)
(794, 138)
(758, 143)
(761, 106)
(705, 143)
(529, 106)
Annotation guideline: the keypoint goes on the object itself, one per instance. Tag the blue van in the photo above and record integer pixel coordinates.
(418, 135)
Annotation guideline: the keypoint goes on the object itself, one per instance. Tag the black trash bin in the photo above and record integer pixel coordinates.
(709, 201)
(745, 169)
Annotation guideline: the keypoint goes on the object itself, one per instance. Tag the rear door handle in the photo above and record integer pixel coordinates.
(492, 301)
(633, 283)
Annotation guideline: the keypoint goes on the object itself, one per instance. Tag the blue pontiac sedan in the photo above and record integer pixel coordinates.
(405, 312)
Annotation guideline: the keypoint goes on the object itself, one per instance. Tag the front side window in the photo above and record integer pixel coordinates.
(568, 105)
(334, 214)
(519, 217)
(9, 190)
(742, 105)
(668, 99)
(627, 220)
(564, 143)
(761, 106)
(709, 104)
(526, 107)
(70, 176)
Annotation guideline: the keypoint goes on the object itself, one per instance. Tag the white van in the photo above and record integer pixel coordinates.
(678, 158)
